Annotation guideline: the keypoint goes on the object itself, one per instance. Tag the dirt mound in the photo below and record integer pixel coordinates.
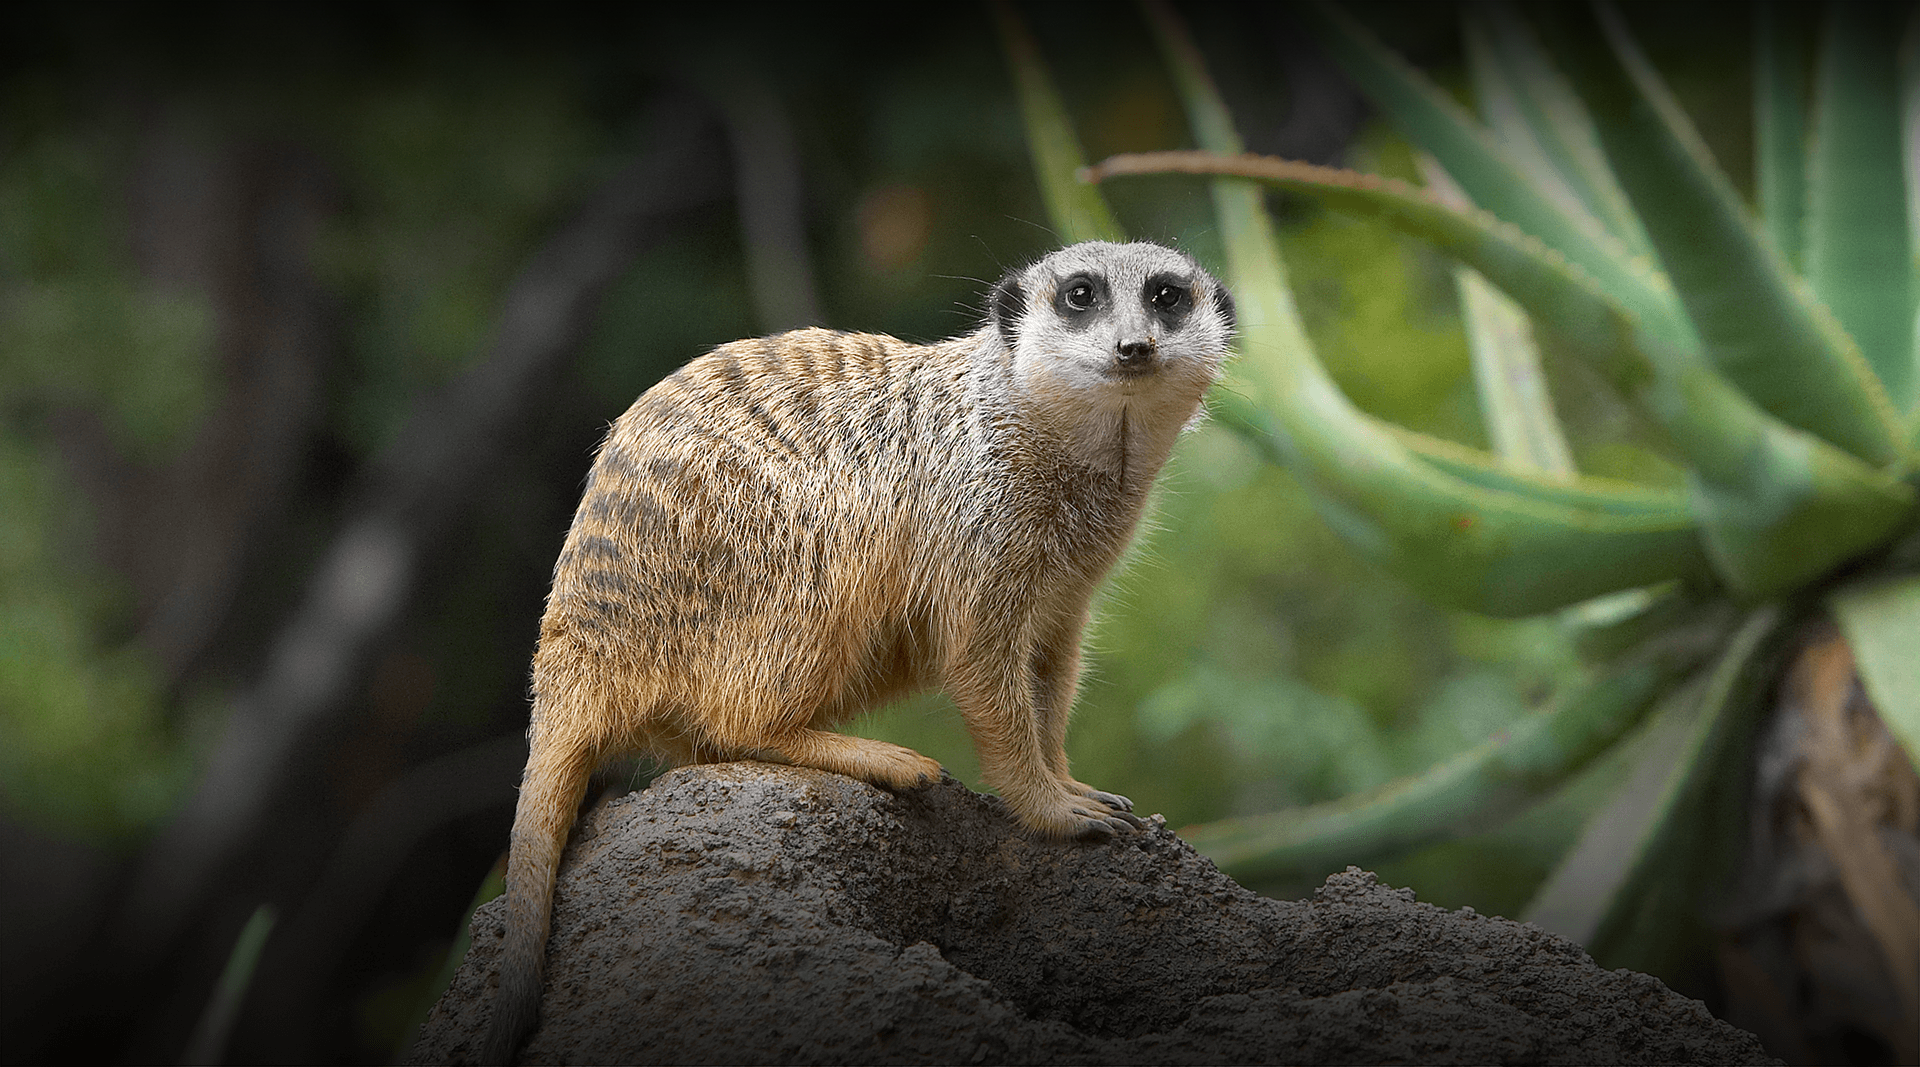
(751, 913)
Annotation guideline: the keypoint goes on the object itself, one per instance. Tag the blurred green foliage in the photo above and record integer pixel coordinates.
(450, 176)
(83, 744)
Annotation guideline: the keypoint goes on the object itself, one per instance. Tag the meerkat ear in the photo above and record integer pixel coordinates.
(1223, 303)
(1008, 304)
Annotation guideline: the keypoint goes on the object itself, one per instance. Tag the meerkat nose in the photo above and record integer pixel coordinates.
(1136, 356)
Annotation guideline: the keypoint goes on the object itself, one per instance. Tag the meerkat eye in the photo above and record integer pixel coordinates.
(1080, 296)
(1168, 298)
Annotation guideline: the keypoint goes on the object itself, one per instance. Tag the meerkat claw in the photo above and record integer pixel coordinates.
(1111, 800)
(1095, 828)
(1106, 824)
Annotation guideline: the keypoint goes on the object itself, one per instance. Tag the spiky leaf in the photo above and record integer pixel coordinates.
(1882, 624)
(1760, 328)
(1859, 257)
(1078, 211)
(1779, 507)
(1640, 863)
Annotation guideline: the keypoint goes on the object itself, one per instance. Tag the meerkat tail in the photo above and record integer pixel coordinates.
(556, 779)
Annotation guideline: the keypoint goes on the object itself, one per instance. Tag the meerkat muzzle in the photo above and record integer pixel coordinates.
(1134, 358)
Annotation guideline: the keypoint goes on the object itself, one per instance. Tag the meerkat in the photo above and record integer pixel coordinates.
(791, 531)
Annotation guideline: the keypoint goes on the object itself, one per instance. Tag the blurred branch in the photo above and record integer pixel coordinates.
(227, 224)
(410, 503)
(422, 801)
(1325, 110)
(772, 203)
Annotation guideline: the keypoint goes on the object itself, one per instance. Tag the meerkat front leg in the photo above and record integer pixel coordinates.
(1056, 666)
(997, 691)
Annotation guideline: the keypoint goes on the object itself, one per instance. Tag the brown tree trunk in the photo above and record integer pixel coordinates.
(1820, 953)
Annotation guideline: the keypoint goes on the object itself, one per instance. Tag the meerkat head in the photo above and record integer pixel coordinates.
(1101, 326)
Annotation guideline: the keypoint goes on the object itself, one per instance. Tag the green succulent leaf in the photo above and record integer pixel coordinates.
(1648, 856)
(1909, 62)
(1253, 254)
(1561, 299)
(1859, 254)
(1464, 530)
(1778, 507)
(1514, 403)
(1762, 329)
(1512, 387)
(1793, 508)
(1470, 792)
(1780, 71)
(1077, 210)
(1492, 176)
(1489, 550)
(1534, 112)
(1605, 496)
(1881, 621)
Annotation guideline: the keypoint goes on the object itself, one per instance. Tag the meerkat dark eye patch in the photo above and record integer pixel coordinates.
(1168, 296)
(1079, 295)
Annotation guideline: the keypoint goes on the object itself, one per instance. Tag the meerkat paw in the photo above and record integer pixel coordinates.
(1066, 816)
(902, 768)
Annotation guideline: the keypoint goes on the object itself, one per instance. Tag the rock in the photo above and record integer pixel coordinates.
(753, 914)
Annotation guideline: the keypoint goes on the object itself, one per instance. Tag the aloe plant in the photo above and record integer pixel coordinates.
(1775, 358)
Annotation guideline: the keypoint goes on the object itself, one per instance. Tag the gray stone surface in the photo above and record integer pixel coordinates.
(747, 913)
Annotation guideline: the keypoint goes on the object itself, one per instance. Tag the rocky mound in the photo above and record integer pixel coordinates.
(749, 913)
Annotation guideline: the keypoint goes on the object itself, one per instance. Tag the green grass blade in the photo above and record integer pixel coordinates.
(1778, 506)
(1859, 254)
(1077, 210)
(1532, 104)
(1780, 70)
(1471, 792)
(493, 885)
(1639, 863)
(1495, 181)
(209, 1041)
(1512, 388)
(1882, 624)
(1764, 332)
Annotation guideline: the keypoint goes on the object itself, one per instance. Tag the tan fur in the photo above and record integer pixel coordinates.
(789, 532)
